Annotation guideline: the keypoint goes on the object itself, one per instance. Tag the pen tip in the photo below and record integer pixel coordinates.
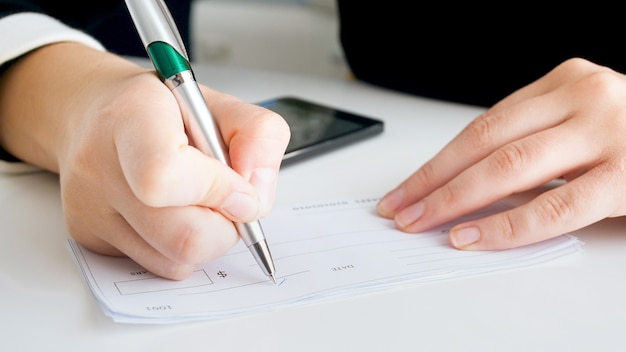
(273, 278)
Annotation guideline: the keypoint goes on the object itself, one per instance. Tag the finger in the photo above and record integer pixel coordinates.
(516, 167)
(185, 235)
(257, 139)
(256, 136)
(586, 200)
(122, 240)
(484, 135)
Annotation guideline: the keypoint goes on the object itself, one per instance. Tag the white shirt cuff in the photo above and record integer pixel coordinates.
(31, 30)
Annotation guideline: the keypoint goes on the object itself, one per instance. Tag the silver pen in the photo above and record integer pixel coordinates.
(167, 52)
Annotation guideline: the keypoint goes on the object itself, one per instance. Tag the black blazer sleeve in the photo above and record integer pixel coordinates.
(473, 52)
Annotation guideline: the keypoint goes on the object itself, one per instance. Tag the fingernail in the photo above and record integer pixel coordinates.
(464, 236)
(241, 206)
(264, 181)
(390, 203)
(409, 215)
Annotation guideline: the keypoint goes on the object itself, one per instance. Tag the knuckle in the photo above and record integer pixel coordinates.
(275, 127)
(279, 126)
(218, 189)
(479, 134)
(554, 209)
(195, 243)
(427, 175)
(448, 193)
(576, 64)
(601, 84)
(190, 244)
(271, 123)
(507, 229)
(153, 183)
(510, 159)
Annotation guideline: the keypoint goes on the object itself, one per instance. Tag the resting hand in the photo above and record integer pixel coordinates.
(571, 123)
(130, 182)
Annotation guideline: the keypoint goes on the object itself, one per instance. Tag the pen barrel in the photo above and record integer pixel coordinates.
(201, 127)
(252, 235)
(250, 232)
(154, 23)
(205, 135)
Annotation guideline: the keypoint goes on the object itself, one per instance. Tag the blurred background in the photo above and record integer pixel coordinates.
(296, 36)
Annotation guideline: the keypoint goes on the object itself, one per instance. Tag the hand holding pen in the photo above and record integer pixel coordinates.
(165, 48)
(130, 182)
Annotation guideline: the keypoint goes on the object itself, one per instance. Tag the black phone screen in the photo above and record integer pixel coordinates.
(317, 128)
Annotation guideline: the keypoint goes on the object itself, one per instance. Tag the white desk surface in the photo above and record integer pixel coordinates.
(577, 303)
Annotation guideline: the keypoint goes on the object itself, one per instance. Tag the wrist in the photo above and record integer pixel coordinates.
(46, 95)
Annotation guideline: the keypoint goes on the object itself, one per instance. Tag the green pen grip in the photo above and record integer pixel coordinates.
(166, 60)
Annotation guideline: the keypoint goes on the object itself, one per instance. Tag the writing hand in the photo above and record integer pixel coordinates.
(130, 182)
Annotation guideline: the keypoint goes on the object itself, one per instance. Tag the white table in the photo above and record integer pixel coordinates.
(577, 303)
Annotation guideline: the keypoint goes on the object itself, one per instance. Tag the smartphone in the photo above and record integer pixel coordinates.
(317, 128)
